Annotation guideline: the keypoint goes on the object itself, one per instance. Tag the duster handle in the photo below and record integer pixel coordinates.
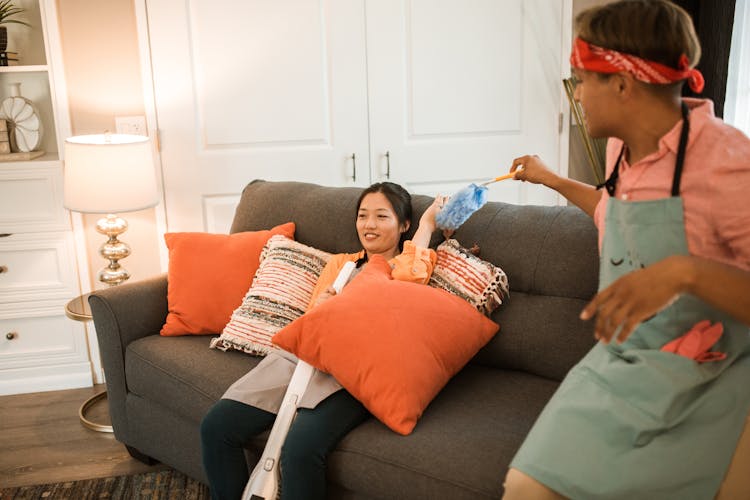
(501, 178)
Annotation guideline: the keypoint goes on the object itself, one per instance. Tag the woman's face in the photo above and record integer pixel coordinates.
(595, 95)
(378, 227)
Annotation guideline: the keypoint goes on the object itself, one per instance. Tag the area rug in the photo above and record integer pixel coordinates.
(160, 485)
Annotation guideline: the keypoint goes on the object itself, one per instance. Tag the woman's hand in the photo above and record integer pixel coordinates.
(428, 217)
(531, 168)
(325, 295)
(427, 223)
(634, 298)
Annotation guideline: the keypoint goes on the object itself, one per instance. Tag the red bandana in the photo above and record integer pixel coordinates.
(601, 60)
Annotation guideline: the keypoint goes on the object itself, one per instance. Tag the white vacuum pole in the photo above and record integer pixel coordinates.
(265, 478)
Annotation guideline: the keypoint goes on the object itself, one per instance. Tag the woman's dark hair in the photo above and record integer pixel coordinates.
(398, 197)
(656, 30)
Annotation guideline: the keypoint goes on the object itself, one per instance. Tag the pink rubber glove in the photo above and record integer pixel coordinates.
(696, 343)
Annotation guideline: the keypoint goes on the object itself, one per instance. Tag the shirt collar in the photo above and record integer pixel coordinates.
(701, 111)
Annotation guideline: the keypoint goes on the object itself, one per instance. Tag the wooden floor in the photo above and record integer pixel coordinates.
(42, 440)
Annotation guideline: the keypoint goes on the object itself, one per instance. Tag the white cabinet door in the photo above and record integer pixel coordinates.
(457, 89)
(255, 89)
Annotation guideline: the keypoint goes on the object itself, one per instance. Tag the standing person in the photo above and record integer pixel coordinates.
(656, 408)
(327, 411)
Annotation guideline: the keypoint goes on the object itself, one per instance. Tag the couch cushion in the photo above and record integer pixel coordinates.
(550, 256)
(461, 447)
(182, 373)
(540, 334)
(280, 293)
(458, 271)
(208, 276)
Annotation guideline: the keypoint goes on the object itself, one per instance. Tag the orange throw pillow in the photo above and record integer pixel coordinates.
(392, 344)
(209, 275)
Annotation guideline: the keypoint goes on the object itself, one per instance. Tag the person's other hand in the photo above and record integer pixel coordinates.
(325, 295)
(633, 298)
(531, 168)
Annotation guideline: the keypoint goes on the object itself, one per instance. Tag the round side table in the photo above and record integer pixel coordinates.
(78, 309)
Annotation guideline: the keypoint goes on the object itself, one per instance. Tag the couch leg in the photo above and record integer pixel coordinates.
(142, 457)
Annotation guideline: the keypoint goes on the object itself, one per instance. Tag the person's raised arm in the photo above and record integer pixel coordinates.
(531, 169)
(427, 223)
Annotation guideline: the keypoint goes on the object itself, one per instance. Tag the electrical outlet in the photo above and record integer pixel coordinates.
(135, 125)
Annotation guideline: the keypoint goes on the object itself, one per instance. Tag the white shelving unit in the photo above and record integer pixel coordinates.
(41, 258)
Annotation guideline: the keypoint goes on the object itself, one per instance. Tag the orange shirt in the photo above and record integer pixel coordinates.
(414, 264)
(715, 185)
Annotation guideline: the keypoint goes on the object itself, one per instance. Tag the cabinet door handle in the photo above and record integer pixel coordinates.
(10, 335)
(387, 164)
(354, 167)
(3, 269)
(5, 235)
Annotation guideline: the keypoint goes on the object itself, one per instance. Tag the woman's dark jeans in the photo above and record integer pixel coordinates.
(230, 425)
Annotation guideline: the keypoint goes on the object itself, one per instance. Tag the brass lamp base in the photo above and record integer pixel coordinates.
(113, 250)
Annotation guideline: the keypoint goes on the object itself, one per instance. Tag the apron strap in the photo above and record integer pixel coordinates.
(611, 183)
(681, 151)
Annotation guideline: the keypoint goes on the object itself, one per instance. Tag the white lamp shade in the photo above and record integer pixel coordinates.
(109, 173)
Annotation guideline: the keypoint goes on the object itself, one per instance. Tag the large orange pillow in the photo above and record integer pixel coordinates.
(392, 344)
(208, 276)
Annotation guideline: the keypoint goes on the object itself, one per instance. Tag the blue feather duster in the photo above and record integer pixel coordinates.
(460, 207)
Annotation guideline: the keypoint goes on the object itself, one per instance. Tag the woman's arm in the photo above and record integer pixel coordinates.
(427, 223)
(416, 261)
(584, 196)
(641, 294)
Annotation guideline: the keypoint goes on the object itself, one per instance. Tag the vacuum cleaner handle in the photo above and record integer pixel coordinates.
(343, 276)
(264, 480)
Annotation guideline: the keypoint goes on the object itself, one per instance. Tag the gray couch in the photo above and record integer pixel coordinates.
(160, 387)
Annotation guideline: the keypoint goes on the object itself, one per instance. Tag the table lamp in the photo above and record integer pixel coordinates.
(110, 174)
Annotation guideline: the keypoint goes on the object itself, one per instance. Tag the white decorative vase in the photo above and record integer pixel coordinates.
(24, 125)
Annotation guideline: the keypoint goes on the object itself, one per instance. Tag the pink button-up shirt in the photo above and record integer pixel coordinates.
(715, 185)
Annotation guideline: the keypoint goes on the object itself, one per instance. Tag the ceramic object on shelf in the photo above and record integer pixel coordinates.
(24, 125)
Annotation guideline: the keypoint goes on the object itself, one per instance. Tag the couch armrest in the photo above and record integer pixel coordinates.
(121, 315)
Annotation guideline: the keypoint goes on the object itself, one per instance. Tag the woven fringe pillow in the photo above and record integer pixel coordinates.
(279, 294)
(478, 282)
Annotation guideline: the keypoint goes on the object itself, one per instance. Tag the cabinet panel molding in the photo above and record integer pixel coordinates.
(38, 267)
(31, 198)
(41, 341)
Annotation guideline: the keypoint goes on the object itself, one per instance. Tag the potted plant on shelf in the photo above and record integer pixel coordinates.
(7, 11)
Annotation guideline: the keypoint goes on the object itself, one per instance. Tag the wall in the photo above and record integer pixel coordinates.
(103, 74)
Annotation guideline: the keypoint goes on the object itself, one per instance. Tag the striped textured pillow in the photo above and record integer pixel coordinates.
(478, 282)
(279, 294)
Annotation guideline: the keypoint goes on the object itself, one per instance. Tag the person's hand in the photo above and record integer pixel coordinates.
(325, 295)
(634, 298)
(531, 168)
(427, 221)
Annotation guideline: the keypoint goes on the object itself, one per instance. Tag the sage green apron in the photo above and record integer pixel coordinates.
(630, 421)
